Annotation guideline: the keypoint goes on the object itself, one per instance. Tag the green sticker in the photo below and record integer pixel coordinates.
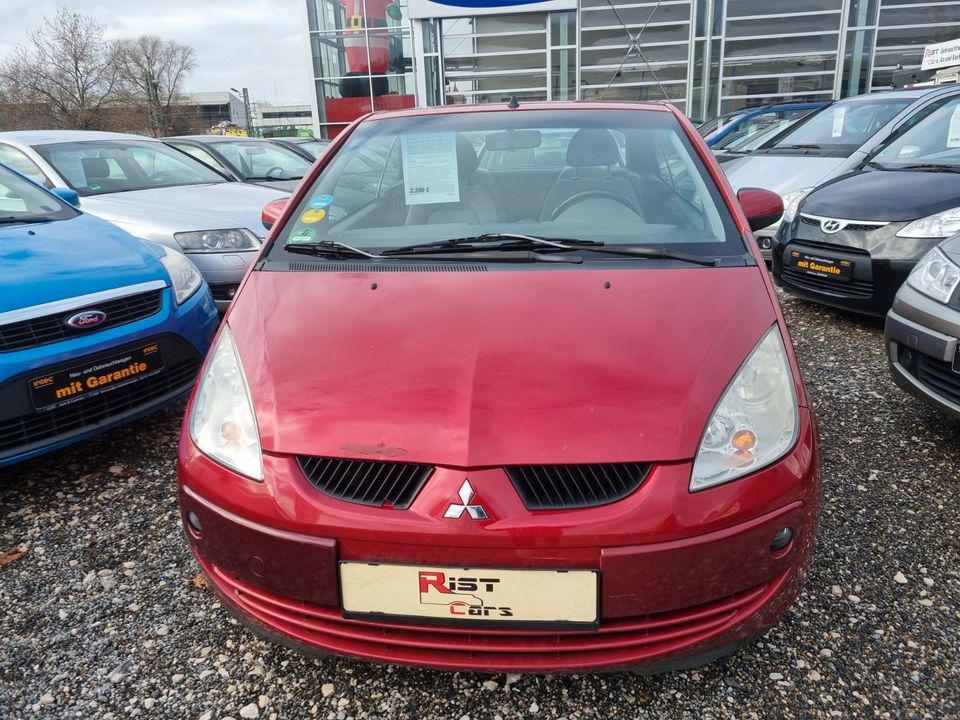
(303, 235)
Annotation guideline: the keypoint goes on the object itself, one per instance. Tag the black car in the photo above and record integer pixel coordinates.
(309, 147)
(854, 239)
(246, 159)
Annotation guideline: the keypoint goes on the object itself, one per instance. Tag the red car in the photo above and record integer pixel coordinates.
(508, 389)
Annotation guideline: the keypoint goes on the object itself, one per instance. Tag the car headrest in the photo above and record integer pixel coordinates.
(467, 161)
(591, 147)
(95, 168)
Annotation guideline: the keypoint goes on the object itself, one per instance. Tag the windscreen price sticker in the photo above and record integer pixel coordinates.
(953, 131)
(430, 172)
(839, 113)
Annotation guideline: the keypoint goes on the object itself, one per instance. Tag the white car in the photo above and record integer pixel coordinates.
(154, 192)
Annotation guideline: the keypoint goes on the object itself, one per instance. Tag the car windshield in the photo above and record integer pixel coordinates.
(314, 147)
(262, 160)
(935, 140)
(763, 124)
(844, 126)
(748, 143)
(626, 177)
(23, 201)
(97, 167)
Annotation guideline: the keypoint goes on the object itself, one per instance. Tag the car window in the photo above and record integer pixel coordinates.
(95, 167)
(260, 160)
(551, 153)
(15, 158)
(844, 125)
(23, 201)
(201, 154)
(934, 140)
(627, 177)
(762, 123)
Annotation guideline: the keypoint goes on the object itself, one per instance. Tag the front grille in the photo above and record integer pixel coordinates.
(857, 227)
(367, 482)
(224, 291)
(938, 376)
(35, 427)
(564, 487)
(52, 328)
(619, 641)
(853, 289)
(832, 247)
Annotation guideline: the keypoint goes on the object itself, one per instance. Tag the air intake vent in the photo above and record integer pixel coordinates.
(377, 267)
(367, 482)
(565, 487)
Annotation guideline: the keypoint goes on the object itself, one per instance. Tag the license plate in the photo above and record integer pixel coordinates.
(470, 595)
(95, 377)
(830, 268)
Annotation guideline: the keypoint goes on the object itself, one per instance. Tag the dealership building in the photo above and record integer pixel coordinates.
(707, 57)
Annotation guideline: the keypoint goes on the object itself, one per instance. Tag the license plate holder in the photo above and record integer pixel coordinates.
(839, 269)
(86, 380)
(470, 596)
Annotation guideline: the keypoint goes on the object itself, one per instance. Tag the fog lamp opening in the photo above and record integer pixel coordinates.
(194, 522)
(781, 541)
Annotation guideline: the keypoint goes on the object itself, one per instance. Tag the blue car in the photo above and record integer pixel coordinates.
(738, 125)
(97, 328)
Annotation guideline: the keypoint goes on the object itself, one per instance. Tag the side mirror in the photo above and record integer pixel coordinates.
(762, 207)
(272, 211)
(67, 195)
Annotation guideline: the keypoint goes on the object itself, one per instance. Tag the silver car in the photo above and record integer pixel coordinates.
(153, 192)
(828, 143)
(923, 328)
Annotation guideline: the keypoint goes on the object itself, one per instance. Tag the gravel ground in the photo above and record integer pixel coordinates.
(103, 615)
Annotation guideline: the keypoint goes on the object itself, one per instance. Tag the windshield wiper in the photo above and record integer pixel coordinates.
(654, 254)
(489, 241)
(330, 248)
(15, 219)
(922, 167)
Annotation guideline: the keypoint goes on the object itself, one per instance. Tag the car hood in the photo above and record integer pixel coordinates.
(885, 196)
(780, 173)
(45, 262)
(472, 369)
(161, 212)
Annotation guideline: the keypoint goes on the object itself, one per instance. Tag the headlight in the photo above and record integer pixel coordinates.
(941, 225)
(206, 241)
(791, 201)
(222, 423)
(183, 274)
(935, 276)
(756, 421)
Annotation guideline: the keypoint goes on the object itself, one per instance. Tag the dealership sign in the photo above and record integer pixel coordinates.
(941, 55)
(471, 8)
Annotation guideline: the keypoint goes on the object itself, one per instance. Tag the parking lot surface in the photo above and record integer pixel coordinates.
(104, 614)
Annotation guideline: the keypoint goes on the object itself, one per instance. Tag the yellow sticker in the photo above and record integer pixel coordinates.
(312, 216)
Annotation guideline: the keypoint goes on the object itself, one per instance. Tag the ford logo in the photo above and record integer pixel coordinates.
(86, 319)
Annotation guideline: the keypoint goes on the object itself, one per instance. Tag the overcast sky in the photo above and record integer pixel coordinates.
(259, 44)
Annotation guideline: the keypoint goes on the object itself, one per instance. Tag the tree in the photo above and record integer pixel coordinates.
(65, 72)
(152, 70)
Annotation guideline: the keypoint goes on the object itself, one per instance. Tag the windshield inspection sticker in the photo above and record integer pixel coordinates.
(430, 168)
(839, 113)
(953, 133)
(318, 202)
(303, 235)
(313, 216)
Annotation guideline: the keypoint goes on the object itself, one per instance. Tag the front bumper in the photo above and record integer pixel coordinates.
(881, 263)
(223, 273)
(184, 334)
(681, 575)
(921, 338)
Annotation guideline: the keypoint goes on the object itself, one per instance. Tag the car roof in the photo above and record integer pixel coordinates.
(47, 137)
(573, 105)
(217, 138)
(910, 93)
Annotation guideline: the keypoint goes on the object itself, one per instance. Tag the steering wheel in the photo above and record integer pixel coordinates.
(590, 194)
(275, 168)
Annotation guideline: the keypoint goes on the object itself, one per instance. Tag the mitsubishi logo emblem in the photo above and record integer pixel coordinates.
(831, 226)
(476, 512)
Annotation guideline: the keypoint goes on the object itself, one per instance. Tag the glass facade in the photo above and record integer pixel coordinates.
(707, 57)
